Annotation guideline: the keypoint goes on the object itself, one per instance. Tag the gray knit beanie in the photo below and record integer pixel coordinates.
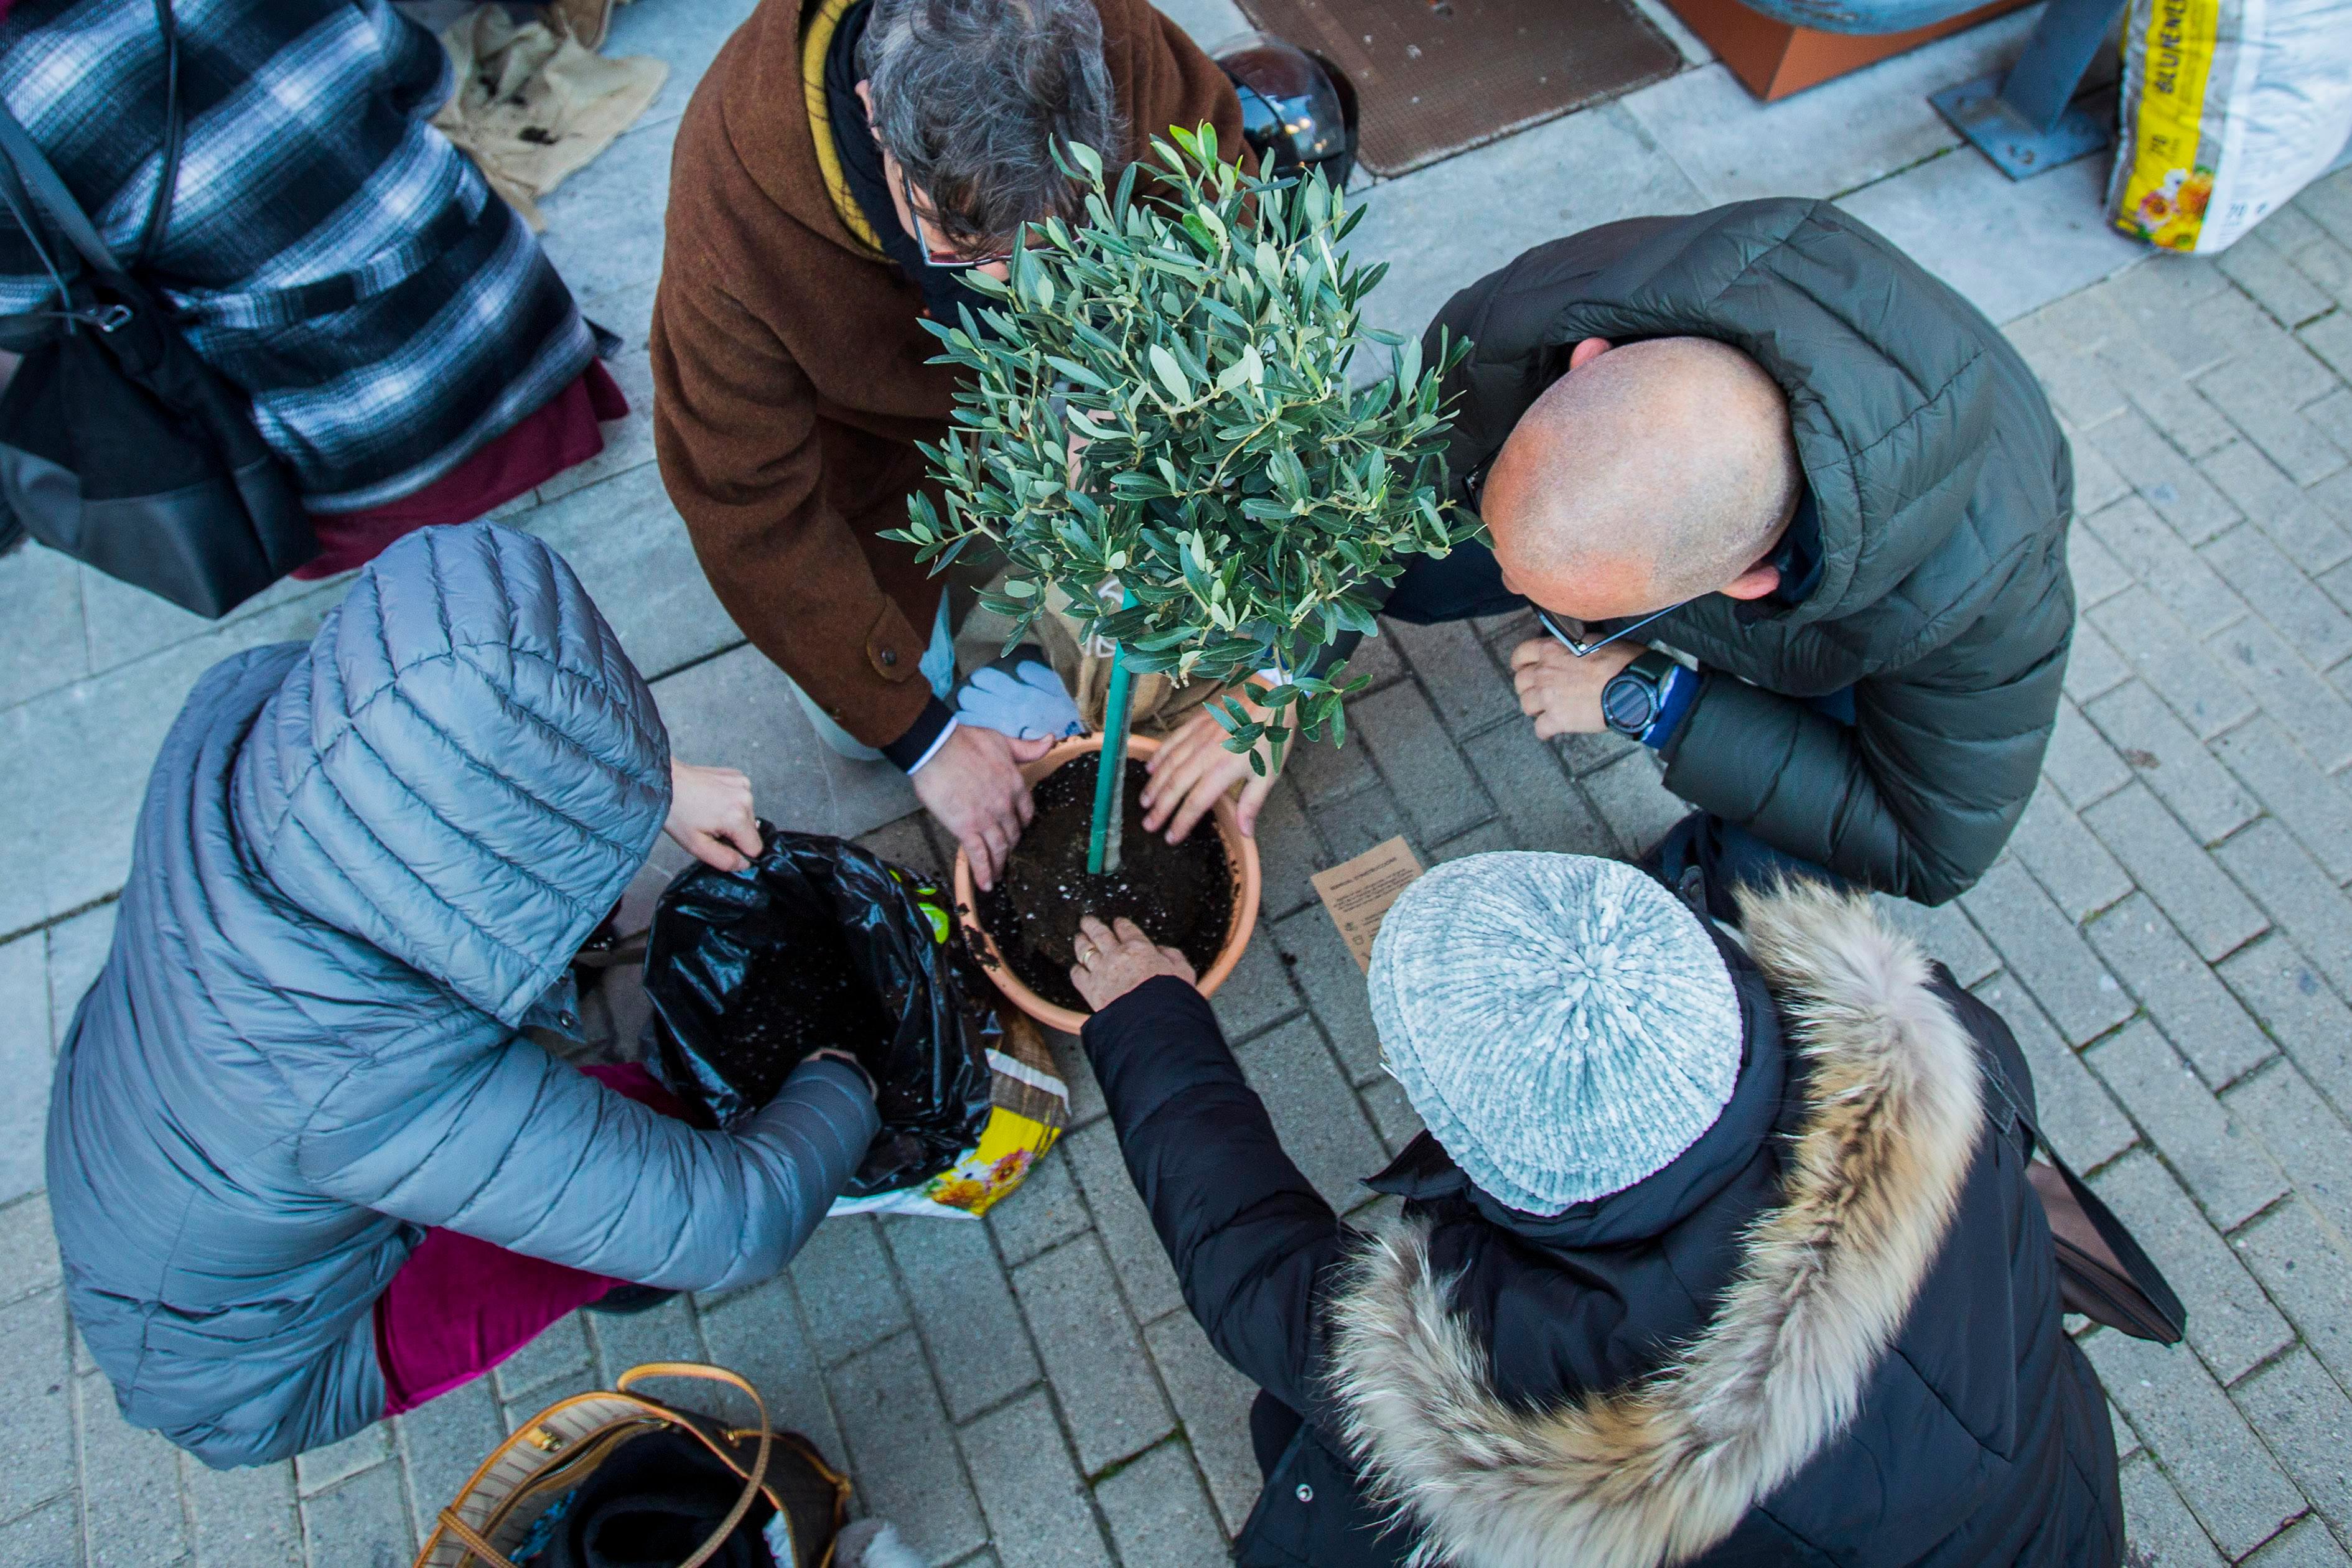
(1564, 1025)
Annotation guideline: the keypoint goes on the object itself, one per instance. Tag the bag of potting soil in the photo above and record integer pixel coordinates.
(822, 943)
(2230, 107)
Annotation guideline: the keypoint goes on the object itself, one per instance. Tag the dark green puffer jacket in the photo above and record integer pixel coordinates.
(1944, 489)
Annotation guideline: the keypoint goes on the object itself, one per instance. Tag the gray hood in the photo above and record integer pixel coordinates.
(461, 656)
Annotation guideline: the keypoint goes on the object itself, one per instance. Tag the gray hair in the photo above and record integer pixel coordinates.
(971, 96)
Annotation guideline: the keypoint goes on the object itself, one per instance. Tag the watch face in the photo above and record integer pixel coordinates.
(1629, 704)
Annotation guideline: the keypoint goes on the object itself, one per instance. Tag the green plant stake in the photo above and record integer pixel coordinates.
(1110, 778)
(1163, 397)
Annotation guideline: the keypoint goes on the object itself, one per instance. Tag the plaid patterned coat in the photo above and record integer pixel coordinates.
(332, 254)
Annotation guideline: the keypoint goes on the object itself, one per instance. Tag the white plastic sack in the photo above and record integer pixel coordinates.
(2230, 107)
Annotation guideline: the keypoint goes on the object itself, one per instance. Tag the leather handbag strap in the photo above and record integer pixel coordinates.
(472, 1540)
(709, 1548)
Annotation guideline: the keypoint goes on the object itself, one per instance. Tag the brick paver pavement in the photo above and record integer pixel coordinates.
(2169, 934)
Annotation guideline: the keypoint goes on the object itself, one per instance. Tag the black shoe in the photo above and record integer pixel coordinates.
(622, 1301)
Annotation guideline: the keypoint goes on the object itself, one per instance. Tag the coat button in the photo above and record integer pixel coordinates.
(889, 658)
(1305, 1492)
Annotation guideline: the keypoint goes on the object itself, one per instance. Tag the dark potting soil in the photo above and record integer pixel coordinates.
(1181, 894)
(801, 1000)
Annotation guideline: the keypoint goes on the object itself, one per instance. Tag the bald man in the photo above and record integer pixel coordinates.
(1804, 511)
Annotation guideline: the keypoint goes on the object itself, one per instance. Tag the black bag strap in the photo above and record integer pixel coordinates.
(167, 173)
(49, 193)
(2142, 1273)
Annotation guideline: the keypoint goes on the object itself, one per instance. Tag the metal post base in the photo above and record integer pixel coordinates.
(2017, 148)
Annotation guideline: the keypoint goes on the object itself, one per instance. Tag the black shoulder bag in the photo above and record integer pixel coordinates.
(2103, 1273)
(117, 445)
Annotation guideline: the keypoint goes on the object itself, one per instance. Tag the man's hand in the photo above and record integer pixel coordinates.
(1193, 769)
(1115, 960)
(1562, 692)
(975, 788)
(710, 816)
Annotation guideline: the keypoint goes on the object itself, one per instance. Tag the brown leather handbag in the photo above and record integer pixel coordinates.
(551, 1455)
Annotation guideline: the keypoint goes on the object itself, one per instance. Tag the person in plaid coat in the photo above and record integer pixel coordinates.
(409, 352)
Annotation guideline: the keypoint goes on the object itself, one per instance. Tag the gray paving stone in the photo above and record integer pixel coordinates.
(2313, 806)
(1258, 991)
(2149, 458)
(628, 441)
(1317, 956)
(845, 1289)
(2195, 1010)
(902, 1452)
(1316, 1115)
(1213, 1401)
(2289, 689)
(2158, 1525)
(2225, 1476)
(1122, 1223)
(963, 1309)
(42, 645)
(1420, 763)
(442, 1442)
(1038, 1512)
(2281, 988)
(2128, 1441)
(361, 1523)
(2151, 297)
(2072, 1106)
(2231, 1177)
(322, 1468)
(560, 1347)
(2163, 651)
(2155, 555)
(2282, 594)
(243, 1518)
(2080, 762)
(2078, 383)
(25, 1056)
(2073, 867)
(2296, 1408)
(2233, 1327)
(2249, 396)
(2276, 504)
(1583, 754)
(48, 1536)
(2170, 761)
(2098, 574)
(604, 226)
(1289, 853)
(1376, 659)
(1946, 934)
(2306, 1135)
(1158, 1513)
(1044, 1210)
(1542, 809)
(515, 1414)
(2093, 664)
(28, 1250)
(1078, 1076)
(1630, 794)
(1469, 692)
(1324, 771)
(77, 949)
(2331, 339)
(1393, 1117)
(668, 1331)
(2299, 897)
(908, 842)
(758, 1333)
(1353, 825)
(2097, 482)
(131, 1516)
(2044, 950)
(2302, 1544)
(1092, 1354)
(630, 549)
(2252, 265)
(2169, 865)
(1486, 839)
(687, 38)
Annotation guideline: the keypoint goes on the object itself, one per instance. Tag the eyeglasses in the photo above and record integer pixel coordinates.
(1580, 642)
(943, 261)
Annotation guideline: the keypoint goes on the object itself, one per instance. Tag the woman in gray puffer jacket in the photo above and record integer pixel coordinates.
(362, 869)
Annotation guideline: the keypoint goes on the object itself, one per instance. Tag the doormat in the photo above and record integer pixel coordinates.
(1440, 77)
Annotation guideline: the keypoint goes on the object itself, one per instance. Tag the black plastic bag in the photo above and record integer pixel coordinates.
(819, 942)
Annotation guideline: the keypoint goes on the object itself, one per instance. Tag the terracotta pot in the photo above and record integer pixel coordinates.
(1241, 856)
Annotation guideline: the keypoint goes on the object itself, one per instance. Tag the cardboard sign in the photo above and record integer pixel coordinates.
(1359, 892)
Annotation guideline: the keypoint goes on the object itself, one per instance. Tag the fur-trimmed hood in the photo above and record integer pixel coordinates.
(1659, 1471)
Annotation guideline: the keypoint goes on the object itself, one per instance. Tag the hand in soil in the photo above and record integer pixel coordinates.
(710, 816)
(973, 787)
(1113, 959)
(1193, 769)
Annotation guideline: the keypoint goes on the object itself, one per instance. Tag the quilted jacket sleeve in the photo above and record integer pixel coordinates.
(517, 1149)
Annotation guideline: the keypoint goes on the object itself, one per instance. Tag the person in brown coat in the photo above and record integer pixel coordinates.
(839, 168)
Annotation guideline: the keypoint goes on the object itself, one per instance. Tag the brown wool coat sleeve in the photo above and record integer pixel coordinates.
(790, 373)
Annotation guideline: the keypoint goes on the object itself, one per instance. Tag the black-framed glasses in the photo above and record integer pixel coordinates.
(942, 262)
(1580, 642)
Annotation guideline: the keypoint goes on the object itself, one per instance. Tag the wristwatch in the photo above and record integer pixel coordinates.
(1637, 694)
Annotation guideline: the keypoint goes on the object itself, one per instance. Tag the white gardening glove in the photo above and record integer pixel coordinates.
(1026, 701)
